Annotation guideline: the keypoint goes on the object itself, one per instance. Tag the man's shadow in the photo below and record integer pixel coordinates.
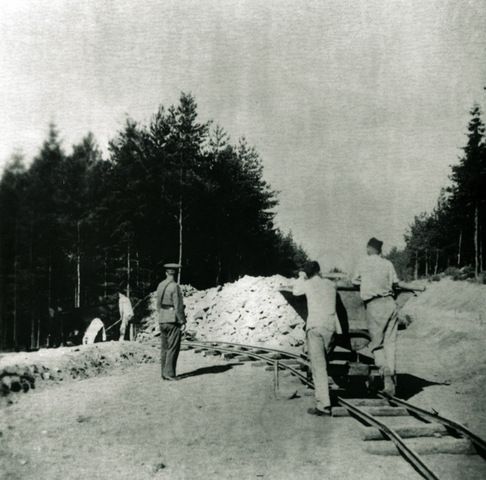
(208, 370)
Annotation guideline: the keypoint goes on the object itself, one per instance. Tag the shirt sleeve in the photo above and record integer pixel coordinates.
(179, 304)
(158, 298)
(299, 287)
(393, 275)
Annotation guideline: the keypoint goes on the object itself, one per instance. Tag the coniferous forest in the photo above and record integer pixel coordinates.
(77, 228)
(452, 237)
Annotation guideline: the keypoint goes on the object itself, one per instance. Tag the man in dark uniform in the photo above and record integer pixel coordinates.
(172, 321)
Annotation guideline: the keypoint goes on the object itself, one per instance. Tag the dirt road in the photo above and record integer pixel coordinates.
(221, 421)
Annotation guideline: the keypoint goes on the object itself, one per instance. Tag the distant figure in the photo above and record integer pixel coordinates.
(322, 324)
(172, 321)
(376, 277)
(54, 336)
(126, 314)
(92, 331)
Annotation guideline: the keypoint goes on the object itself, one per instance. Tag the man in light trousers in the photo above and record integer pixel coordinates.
(377, 277)
(126, 314)
(322, 324)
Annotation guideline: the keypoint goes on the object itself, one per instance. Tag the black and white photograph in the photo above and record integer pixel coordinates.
(242, 240)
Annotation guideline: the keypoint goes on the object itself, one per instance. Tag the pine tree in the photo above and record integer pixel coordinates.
(468, 189)
(12, 191)
(76, 228)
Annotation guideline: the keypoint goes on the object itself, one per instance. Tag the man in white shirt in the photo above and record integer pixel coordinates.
(92, 331)
(126, 313)
(322, 324)
(377, 277)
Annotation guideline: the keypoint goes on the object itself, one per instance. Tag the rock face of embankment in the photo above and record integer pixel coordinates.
(251, 310)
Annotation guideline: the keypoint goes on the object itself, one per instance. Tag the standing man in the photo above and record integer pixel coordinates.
(377, 277)
(126, 314)
(322, 324)
(172, 321)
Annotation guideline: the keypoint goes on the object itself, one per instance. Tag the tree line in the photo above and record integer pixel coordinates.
(453, 235)
(77, 228)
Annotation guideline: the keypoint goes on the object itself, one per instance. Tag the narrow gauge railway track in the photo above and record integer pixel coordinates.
(277, 358)
(458, 428)
(257, 353)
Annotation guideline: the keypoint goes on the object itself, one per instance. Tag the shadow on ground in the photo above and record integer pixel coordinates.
(208, 370)
(410, 385)
(407, 386)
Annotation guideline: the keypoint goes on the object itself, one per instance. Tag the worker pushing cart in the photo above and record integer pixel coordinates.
(377, 279)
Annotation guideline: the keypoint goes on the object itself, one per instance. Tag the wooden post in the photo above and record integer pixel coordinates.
(275, 378)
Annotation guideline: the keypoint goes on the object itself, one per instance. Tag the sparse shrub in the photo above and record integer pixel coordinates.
(335, 270)
(452, 272)
(467, 272)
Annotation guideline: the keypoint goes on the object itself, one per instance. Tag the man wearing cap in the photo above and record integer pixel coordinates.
(377, 277)
(172, 321)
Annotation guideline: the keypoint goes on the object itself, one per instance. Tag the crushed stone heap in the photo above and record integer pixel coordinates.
(250, 310)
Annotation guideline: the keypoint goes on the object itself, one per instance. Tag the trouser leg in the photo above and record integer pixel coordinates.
(390, 343)
(131, 334)
(376, 331)
(163, 348)
(379, 313)
(123, 328)
(173, 348)
(383, 327)
(316, 344)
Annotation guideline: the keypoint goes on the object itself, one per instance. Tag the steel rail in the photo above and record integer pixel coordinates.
(429, 415)
(410, 455)
(298, 356)
(216, 348)
(404, 449)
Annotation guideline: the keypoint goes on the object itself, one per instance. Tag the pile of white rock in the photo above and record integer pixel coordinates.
(251, 310)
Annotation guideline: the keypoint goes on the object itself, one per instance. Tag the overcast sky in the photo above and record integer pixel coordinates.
(357, 107)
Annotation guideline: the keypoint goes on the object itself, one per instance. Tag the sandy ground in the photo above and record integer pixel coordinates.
(221, 421)
(443, 351)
